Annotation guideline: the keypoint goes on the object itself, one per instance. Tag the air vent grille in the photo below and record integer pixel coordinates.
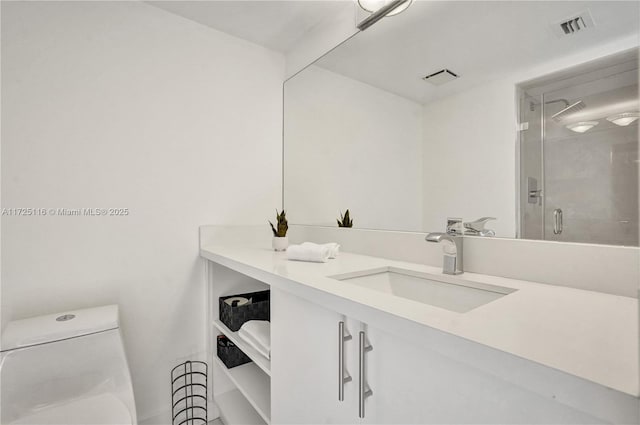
(440, 77)
(576, 24)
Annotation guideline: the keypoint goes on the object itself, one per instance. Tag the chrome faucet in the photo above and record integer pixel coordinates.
(452, 250)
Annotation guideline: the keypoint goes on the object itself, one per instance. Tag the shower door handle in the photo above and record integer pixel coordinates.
(557, 221)
(343, 376)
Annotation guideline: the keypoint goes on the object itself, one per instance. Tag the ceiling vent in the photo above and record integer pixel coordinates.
(576, 24)
(440, 77)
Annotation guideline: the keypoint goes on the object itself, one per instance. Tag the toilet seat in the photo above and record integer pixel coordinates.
(100, 409)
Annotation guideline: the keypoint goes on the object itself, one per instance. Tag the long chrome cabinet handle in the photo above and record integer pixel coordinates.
(557, 221)
(365, 391)
(343, 376)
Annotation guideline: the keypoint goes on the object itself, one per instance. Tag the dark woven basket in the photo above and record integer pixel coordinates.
(257, 309)
(230, 354)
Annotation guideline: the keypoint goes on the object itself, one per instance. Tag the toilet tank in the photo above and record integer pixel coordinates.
(53, 360)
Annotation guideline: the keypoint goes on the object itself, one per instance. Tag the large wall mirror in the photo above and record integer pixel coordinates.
(528, 115)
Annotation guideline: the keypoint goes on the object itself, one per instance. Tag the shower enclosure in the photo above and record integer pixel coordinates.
(579, 154)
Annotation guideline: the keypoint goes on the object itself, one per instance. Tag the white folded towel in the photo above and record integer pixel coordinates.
(313, 253)
(257, 333)
(334, 248)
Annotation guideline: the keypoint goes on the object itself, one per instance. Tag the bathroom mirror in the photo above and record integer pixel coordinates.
(432, 113)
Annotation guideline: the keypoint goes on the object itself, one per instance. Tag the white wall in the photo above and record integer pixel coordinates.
(469, 158)
(351, 145)
(121, 104)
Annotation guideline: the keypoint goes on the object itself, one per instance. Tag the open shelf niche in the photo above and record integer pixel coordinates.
(242, 393)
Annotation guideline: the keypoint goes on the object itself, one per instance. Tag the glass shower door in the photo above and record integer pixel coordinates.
(531, 205)
(590, 162)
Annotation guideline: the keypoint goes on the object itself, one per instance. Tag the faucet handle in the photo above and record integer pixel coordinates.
(454, 226)
(477, 227)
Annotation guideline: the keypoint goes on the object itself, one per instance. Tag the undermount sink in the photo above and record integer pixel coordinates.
(455, 295)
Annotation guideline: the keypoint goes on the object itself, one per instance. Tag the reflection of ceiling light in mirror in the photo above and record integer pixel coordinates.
(623, 119)
(373, 5)
(582, 126)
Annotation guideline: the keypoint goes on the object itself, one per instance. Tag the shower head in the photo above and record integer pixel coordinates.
(565, 101)
(574, 107)
(532, 105)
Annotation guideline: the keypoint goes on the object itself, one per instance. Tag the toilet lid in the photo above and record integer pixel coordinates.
(101, 409)
(58, 327)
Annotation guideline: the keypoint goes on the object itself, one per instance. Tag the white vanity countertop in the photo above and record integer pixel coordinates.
(586, 334)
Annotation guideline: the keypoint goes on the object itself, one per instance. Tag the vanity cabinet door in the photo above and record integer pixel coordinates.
(304, 364)
(411, 385)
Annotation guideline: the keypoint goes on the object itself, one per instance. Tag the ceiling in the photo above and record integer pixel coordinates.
(276, 25)
(479, 40)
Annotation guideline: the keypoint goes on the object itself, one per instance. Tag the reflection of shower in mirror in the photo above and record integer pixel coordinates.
(579, 172)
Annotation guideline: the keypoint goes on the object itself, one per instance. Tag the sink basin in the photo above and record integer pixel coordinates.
(448, 293)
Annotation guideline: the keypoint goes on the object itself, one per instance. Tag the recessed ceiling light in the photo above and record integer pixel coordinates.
(623, 119)
(582, 126)
(373, 5)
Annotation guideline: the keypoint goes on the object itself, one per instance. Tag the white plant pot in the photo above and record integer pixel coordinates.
(280, 244)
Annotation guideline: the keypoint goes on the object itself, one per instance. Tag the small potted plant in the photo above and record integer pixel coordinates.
(345, 220)
(280, 241)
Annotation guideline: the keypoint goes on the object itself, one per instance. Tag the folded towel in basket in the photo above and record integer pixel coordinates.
(257, 333)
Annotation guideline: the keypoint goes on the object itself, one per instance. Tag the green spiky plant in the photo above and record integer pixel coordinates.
(281, 230)
(345, 220)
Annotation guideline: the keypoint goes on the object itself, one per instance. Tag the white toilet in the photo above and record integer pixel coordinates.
(67, 368)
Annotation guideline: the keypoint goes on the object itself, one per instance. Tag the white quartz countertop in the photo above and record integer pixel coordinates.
(587, 334)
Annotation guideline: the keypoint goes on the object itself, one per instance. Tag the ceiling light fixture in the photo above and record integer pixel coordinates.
(582, 126)
(373, 5)
(623, 119)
